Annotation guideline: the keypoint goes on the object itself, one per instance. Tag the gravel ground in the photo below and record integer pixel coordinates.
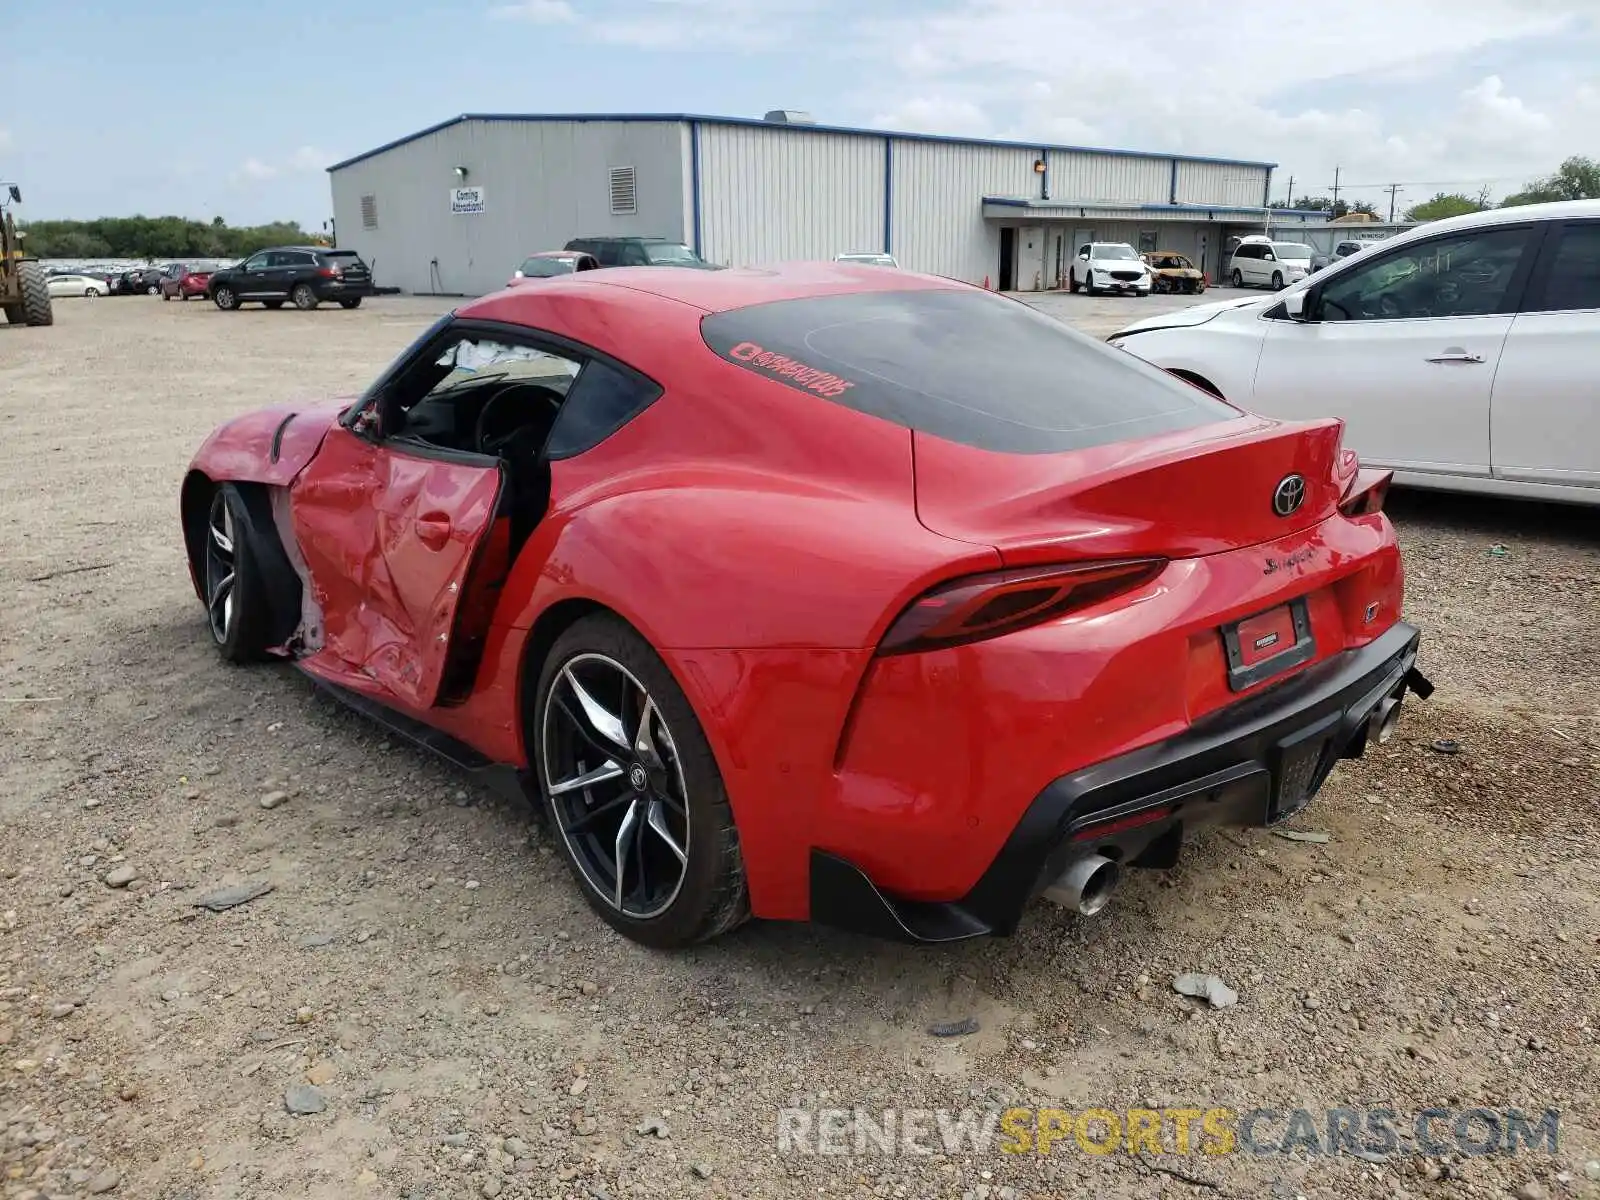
(425, 976)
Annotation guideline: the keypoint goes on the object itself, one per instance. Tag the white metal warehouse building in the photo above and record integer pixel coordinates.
(454, 208)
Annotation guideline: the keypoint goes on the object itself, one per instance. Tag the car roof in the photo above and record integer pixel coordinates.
(720, 291)
(628, 238)
(558, 254)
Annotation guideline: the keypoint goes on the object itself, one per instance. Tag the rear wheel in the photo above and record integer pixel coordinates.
(304, 298)
(225, 298)
(1072, 281)
(33, 307)
(1277, 281)
(353, 302)
(164, 295)
(235, 594)
(633, 791)
(152, 289)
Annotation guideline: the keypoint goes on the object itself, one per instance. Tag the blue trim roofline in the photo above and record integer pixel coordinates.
(681, 118)
(1254, 209)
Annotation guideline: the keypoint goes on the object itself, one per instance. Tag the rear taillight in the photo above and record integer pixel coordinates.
(330, 272)
(985, 606)
(1365, 493)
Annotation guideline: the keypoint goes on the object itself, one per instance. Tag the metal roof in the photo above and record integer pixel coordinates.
(685, 118)
(1250, 209)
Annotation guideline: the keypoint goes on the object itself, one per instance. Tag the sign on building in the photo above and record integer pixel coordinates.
(466, 200)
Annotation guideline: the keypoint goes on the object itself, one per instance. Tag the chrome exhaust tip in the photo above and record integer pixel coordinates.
(1386, 720)
(1086, 886)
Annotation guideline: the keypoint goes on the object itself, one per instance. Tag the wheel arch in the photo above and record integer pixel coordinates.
(536, 646)
(1199, 380)
(281, 580)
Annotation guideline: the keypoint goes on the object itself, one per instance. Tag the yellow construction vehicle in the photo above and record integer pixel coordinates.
(24, 291)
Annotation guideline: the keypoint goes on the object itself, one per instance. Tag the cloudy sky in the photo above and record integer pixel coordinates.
(234, 108)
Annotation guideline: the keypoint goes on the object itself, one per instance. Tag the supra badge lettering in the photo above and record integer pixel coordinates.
(1274, 565)
(1263, 642)
(789, 370)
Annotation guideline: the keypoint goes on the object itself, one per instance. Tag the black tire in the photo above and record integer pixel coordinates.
(166, 295)
(34, 307)
(238, 609)
(353, 302)
(225, 298)
(1072, 282)
(1237, 278)
(1277, 281)
(710, 896)
(272, 304)
(305, 299)
(153, 289)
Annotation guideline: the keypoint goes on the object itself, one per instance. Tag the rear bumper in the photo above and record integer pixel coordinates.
(1258, 762)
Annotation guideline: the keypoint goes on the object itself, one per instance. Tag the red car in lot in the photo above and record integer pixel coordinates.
(181, 282)
(823, 592)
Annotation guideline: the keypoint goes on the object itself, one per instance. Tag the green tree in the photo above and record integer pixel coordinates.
(1446, 204)
(166, 237)
(1576, 179)
(1334, 208)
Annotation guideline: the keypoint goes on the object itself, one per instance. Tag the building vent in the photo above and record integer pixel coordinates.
(369, 212)
(788, 116)
(624, 191)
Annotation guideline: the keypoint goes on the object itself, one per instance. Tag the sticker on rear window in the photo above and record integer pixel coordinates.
(787, 370)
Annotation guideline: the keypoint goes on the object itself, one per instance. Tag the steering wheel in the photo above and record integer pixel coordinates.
(490, 440)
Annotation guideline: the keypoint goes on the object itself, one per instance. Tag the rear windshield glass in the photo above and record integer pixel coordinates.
(967, 366)
(545, 268)
(1291, 250)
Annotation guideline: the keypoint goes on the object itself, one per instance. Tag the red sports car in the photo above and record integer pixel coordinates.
(821, 592)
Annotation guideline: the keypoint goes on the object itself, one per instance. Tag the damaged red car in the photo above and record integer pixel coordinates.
(818, 593)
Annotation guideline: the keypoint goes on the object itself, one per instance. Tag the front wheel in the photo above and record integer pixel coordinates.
(1277, 281)
(352, 302)
(633, 790)
(225, 298)
(235, 593)
(1237, 279)
(164, 295)
(1072, 282)
(153, 290)
(304, 298)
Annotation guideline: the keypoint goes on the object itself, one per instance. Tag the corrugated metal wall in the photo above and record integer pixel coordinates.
(774, 195)
(1079, 175)
(938, 204)
(544, 182)
(1221, 183)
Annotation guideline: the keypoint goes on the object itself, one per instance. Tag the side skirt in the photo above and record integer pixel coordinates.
(510, 782)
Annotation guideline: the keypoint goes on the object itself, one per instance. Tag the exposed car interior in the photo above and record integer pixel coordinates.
(481, 396)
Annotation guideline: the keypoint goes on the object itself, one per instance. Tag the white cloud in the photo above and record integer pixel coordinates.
(1167, 77)
(255, 169)
(309, 158)
(540, 12)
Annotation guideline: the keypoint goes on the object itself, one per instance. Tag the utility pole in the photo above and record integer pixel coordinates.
(1335, 210)
(1289, 196)
(1392, 189)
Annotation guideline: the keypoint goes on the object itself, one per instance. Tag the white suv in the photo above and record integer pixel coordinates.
(1460, 354)
(1260, 261)
(1109, 267)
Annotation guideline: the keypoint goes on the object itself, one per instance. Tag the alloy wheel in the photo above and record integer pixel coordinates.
(220, 568)
(616, 786)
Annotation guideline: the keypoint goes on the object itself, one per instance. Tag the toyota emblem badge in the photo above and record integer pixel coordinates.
(1288, 495)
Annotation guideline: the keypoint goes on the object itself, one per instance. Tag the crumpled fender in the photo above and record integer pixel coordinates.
(269, 445)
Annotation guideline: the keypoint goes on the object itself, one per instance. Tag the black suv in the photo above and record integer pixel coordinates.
(640, 252)
(303, 275)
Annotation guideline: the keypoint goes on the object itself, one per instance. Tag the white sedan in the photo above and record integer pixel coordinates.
(77, 285)
(1460, 354)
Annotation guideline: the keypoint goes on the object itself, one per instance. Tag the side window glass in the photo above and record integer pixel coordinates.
(633, 256)
(1574, 280)
(1462, 276)
(256, 263)
(606, 252)
(602, 401)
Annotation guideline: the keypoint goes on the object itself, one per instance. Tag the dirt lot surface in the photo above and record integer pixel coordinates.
(425, 964)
